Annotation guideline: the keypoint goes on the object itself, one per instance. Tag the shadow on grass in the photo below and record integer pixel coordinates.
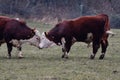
(57, 58)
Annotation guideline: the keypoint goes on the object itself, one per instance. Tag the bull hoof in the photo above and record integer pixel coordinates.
(20, 57)
(92, 57)
(63, 56)
(9, 57)
(101, 57)
(66, 57)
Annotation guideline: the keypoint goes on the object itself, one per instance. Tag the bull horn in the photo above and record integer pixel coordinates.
(46, 33)
(34, 29)
(17, 18)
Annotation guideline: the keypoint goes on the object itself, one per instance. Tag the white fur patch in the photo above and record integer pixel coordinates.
(20, 55)
(63, 42)
(92, 54)
(16, 43)
(89, 39)
(73, 40)
(17, 19)
(35, 40)
(37, 32)
(102, 53)
(66, 54)
(45, 43)
(110, 32)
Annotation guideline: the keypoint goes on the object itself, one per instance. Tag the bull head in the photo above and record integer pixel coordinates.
(50, 37)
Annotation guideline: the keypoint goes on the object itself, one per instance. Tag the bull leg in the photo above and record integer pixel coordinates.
(63, 48)
(66, 45)
(9, 47)
(95, 49)
(65, 54)
(20, 55)
(104, 45)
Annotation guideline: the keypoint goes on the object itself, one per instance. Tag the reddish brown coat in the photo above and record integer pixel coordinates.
(79, 29)
(13, 29)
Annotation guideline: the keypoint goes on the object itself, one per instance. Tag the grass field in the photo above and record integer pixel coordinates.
(47, 64)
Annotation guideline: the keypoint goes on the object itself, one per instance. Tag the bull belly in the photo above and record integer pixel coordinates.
(2, 41)
(85, 38)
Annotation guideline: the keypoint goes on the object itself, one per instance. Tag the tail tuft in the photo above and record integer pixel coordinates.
(110, 33)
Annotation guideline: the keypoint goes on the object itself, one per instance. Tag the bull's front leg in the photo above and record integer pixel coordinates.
(66, 45)
(65, 54)
(9, 47)
(20, 55)
(63, 48)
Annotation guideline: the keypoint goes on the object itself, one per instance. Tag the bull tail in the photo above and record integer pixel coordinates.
(110, 33)
(107, 24)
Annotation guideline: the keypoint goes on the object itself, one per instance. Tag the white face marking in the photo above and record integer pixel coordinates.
(35, 40)
(45, 43)
(37, 32)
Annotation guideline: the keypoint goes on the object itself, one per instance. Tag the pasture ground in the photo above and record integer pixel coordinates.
(47, 64)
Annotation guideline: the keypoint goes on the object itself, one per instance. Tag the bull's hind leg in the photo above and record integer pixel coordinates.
(96, 46)
(9, 47)
(104, 45)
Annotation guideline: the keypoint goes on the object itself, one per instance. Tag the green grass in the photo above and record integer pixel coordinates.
(47, 64)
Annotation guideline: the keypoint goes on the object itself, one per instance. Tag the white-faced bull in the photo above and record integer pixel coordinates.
(86, 29)
(15, 32)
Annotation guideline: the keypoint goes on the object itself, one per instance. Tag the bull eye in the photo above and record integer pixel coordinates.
(38, 38)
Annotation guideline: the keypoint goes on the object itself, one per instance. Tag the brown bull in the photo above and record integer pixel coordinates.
(86, 29)
(15, 33)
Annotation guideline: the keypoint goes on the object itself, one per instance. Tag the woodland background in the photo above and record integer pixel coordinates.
(51, 10)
